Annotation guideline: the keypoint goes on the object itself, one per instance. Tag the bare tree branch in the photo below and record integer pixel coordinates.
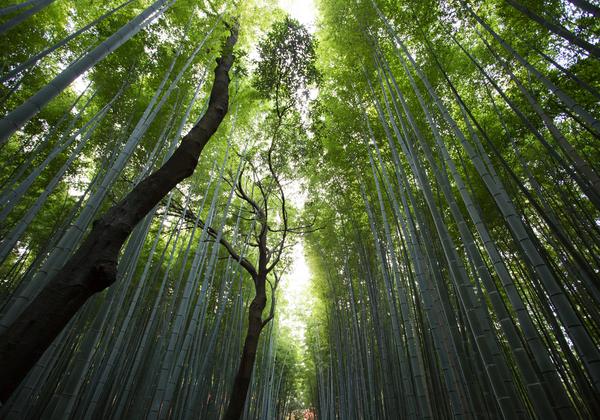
(279, 248)
(243, 261)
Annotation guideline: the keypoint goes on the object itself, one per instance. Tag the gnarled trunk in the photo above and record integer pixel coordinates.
(244, 374)
(93, 267)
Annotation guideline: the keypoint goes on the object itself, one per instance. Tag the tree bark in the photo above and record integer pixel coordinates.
(244, 374)
(93, 267)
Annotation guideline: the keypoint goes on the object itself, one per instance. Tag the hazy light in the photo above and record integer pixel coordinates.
(297, 299)
(302, 10)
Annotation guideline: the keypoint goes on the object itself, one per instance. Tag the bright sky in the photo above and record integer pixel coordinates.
(295, 284)
(302, 10)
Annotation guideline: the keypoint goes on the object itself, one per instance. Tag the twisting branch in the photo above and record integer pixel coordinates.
(284, 214)
(273, 299)
(243, 261)
(241, 193)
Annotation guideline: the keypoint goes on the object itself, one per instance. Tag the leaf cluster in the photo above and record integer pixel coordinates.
(286, 68)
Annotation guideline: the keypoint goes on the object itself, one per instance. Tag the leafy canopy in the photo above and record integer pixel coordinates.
(286, 69)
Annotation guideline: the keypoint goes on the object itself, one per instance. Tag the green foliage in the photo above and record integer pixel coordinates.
(315, 107)
(286, 69)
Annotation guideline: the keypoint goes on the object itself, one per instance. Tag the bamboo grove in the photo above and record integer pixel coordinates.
(447, 153)
(463, 278)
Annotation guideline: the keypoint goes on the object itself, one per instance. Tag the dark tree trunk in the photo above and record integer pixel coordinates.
(93, 267)
(244, 374)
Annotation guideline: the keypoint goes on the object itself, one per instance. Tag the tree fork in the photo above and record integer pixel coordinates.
(93, 267)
